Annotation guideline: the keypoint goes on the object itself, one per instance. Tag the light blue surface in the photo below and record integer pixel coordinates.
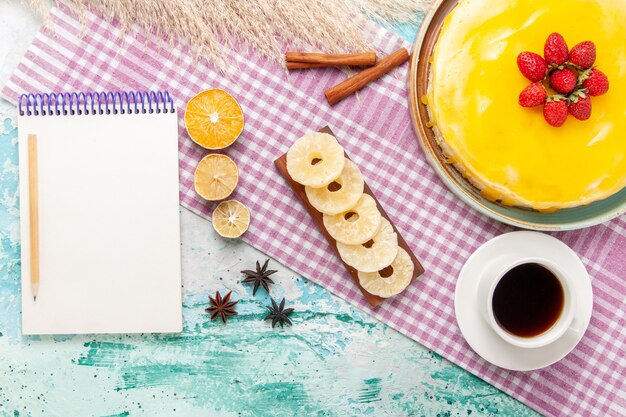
(334, 361)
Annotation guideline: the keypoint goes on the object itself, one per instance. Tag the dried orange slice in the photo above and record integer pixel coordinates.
(216, 177)
(231, 218)
(213, 119)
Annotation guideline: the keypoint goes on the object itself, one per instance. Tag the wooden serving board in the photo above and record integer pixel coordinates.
(374, 300)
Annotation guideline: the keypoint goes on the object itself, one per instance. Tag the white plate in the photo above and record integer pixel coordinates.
(477, 331)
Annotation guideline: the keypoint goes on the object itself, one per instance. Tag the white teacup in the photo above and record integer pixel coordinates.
(496, 270)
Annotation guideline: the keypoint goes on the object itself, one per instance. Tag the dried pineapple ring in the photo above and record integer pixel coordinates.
(374, 255)
(315, 159)
(357, 225)
(384, 285)
(340, 195)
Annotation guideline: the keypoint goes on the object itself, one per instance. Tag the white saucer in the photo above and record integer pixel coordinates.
(477, 331)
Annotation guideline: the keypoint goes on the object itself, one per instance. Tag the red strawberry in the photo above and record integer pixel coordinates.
(581, 108)
(532, 66)
(563, 80)
(555, 50)
(555, 112)
(533, 95)
(583, 54)
(597, 83)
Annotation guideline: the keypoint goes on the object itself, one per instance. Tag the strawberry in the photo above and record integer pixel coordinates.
(533, 95)
(555, 112)
(580, 107)
(597, 83)
(555, 50)
(583, 54)
(532, 66)
(563, 80)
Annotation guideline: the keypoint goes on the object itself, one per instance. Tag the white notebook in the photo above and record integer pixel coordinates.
(109, 228)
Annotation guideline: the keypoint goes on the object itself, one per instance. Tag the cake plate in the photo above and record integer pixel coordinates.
(567, 219)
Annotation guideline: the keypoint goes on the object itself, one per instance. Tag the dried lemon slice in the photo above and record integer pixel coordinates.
(316, 159)
(213, 119)
(216, 177)
(373, 255)
(391, 280)
(357, 225)
(231, 218)
(340, 195)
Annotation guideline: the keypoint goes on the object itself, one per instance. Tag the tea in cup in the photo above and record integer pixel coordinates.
(528, 302)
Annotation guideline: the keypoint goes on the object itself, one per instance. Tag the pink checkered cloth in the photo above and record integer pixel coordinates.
(376, 130)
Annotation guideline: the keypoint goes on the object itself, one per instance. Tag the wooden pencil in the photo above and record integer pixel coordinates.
(33, 206)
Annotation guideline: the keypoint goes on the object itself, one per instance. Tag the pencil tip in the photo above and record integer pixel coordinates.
(35, 298)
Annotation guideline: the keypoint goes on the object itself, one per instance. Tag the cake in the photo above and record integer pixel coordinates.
(507, 151)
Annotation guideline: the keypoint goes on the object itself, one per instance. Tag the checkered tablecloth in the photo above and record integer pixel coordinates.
(376, 130)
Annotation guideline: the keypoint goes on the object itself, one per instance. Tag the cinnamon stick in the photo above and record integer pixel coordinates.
(304, 65)
(331, 60)
(360, 80)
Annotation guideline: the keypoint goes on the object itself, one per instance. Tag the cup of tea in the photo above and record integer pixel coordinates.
(528, 302)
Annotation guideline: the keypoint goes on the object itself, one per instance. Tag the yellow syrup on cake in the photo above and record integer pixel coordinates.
(509, 152)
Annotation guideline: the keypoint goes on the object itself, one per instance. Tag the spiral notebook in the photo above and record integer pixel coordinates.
(108, 213)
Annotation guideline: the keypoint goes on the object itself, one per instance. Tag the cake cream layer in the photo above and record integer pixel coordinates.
(508, 151)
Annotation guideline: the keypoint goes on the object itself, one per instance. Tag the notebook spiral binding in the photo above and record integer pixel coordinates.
(80, 103)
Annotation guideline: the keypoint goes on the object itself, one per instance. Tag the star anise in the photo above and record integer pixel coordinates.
(278, 314)
(221, 307)
(260, 277)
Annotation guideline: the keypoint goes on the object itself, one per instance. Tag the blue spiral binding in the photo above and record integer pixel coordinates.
(95, 103)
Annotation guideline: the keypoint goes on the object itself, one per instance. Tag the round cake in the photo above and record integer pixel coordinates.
(509, 152)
